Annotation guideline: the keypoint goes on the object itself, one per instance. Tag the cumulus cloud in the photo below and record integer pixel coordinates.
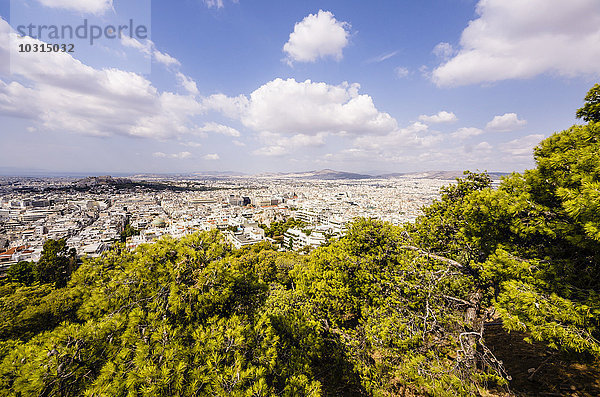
(515, 39)
(278, 145)
(165, 58)
(317, 36)
(214, 3)
(78, 98)
(145, 47)
(232, 107)
(271, 151)
(473, 151)
(415, 135)
(212, 156)
(173, 117)
(505, 123)
(291, 107)
(97, 7)
(148, 48)
(522, 147)
(466, 132)
(440, 117)
(443, 50)
(192, 144)
(220, 129)
(187, 83)
(178, 156)
(401, 72)
(483, 146)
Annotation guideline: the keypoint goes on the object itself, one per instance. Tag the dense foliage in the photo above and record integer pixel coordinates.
(382, 311)
(533, 245)
(590, 112)
(192, 317)
(278, 229)
(55, 265)
(128, 231)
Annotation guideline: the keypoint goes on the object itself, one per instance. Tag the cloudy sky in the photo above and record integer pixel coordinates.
(254, 86)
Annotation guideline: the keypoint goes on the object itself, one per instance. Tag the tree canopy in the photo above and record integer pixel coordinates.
(56, 263)
(590, 112)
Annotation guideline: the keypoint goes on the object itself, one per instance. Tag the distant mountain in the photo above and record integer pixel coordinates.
(219, 173)
(438, 175)
(326, 174)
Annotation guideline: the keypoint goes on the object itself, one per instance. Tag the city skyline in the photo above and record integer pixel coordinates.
(287, 87)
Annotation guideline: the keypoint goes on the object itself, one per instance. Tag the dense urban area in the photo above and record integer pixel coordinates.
(92, 213)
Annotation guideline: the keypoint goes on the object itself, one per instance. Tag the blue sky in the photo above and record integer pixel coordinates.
(255, 86)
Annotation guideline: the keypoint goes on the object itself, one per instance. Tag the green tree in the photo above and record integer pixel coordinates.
(532, 245)
(128, 231)
(22, 272)
(56, 263)
(590, 112)
(278, 229)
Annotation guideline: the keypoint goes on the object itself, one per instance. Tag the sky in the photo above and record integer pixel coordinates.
(281, 86)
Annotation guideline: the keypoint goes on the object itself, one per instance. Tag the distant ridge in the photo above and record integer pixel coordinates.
(437, 175)
(328, 174)
(325, 174)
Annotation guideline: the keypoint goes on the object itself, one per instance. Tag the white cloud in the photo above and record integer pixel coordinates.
(178, 156)
(148, 47)
(232, 107)
(522, 147)
(214, 3)
(165, 58)
(278, 145)
(405, 145)
(173, 117)
(192, 144)
(415, 135)
(212, 156)
(291, 107)
(187, 83)
(80, 99)
(220, 129)
(97, 7)
(401, 72)
(317, 36)
(271, 151)
(441, 117)
(145, 47)
(466, 132)
(483, 146)
(382, 57)
(443, 50)
(515, 39)
(238, 143)
(505, 123)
